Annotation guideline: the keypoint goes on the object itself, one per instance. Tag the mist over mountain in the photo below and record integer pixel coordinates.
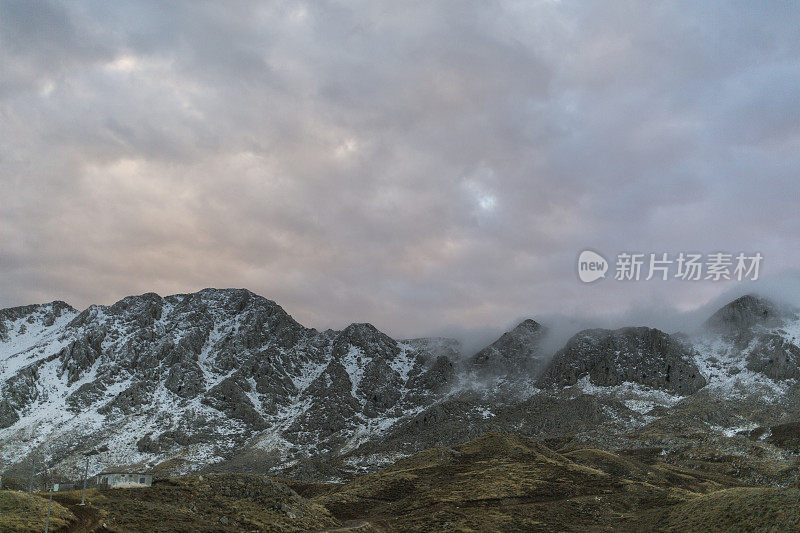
(782, 289)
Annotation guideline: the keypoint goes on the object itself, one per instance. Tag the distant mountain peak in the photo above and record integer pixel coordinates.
(515, 350)
(361, 328)
(641, 355)
(527, 325)
(744, 313)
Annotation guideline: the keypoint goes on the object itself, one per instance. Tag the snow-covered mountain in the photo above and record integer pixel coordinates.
(196, 377)
(227, 379)
(750, 346)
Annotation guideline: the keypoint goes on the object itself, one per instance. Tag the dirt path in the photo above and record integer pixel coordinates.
(89, 520)
(355, 526)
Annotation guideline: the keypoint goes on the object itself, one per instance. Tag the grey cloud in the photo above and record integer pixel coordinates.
(426, 166)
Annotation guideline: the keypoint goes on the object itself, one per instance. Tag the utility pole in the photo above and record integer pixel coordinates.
(30, 480)
(49, 506)
(86, 469)
(85, 475)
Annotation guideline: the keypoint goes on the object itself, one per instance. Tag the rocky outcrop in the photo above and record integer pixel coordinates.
(775, 357)
(611, 357)
(231, 397)
(367, 340)
(85, 396)
(81, 354)
(138, 394)
(436, 378)
(370, 376)
(8, 415)
(19, 392)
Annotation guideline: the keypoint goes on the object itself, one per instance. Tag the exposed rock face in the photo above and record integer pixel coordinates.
(369, 377)
(230, 397)
(436, 378)
(18, 392)
(81, 354)
(611, 357)
(775, 357)
(518, 350)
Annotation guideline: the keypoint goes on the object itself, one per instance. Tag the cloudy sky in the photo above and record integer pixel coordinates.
(419, 165)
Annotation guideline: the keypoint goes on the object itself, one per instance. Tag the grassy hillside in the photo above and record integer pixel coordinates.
(20, 511)
(738, 509)
(498, 482)
(219, 502)
(510, 483)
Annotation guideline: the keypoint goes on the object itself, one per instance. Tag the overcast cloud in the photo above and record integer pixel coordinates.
(422, 166)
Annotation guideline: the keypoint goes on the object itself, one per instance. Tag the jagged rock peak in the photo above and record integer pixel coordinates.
(135, 299)
(743, 313)
(527, 325)
(361, 328)
(525, 337)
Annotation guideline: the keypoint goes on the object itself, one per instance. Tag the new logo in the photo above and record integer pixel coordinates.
(591, 266)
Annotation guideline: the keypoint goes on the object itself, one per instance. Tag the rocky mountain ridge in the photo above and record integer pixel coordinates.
(226, 379)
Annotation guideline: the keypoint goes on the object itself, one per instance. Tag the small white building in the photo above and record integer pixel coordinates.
(123, 479)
